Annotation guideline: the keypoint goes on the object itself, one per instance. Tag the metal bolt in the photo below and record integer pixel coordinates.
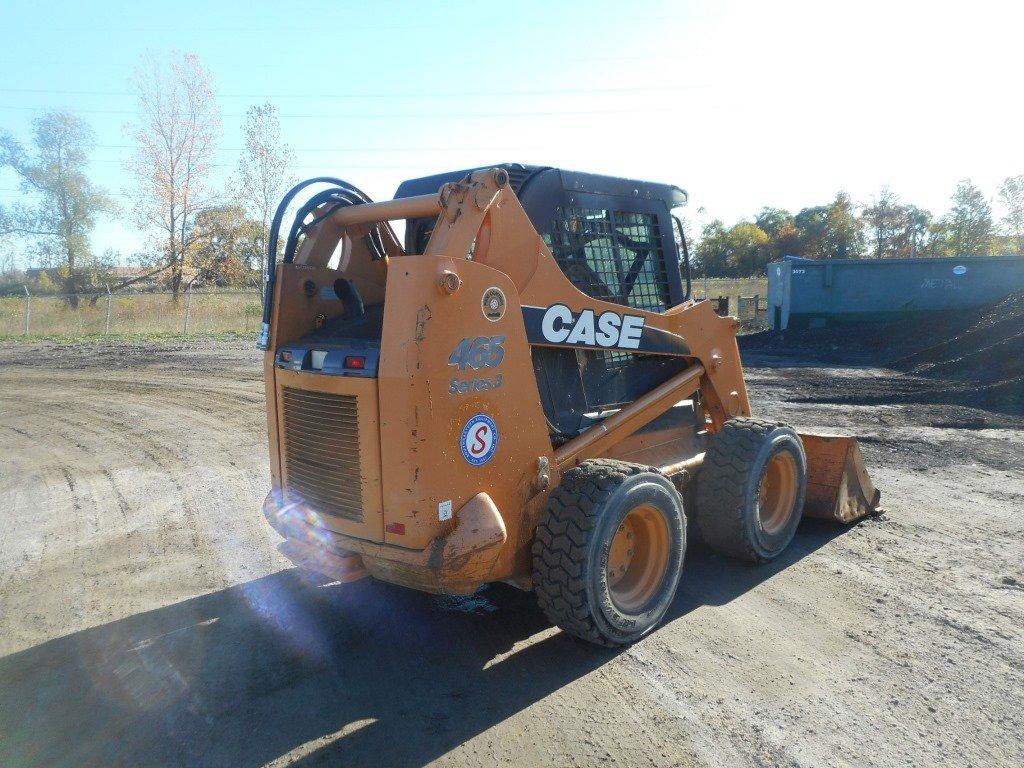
(450, 282)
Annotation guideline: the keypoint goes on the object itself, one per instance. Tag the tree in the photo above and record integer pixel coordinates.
(263, 171)
(969, 221)
(1011, 194)
(777, 223)
(936, 241)
(918, 223)
(844, 238)
(830, 231)
(225, 244)
(787, 241)
(68, 203)
(712, 252)
(885, 226)
(773, 220)
(811, 225)
(176, 134)
(749, 249)
(740, 251)
(895, 230)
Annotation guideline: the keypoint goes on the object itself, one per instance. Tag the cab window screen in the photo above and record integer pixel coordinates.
(612, 255)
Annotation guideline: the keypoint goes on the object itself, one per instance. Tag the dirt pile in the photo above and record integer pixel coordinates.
(987, 349)
(974, 357)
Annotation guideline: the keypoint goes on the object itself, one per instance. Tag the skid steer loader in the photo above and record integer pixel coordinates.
(523, 391)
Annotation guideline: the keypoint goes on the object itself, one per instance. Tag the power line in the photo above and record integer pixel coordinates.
(394, 116)
(346, 150)
(420, 94)
(296, 166)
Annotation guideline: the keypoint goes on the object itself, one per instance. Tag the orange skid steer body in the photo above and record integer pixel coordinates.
(443, 413)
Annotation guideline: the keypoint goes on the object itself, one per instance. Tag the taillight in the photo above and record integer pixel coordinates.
(355, 362)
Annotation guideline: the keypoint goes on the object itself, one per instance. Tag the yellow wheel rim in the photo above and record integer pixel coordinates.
(776, 496)
(638, 558)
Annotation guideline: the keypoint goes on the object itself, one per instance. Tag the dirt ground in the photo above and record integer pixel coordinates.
(147, 618)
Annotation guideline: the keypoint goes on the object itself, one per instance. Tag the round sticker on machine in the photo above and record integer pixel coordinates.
(493, 304)
(479, 439)
(959, 269)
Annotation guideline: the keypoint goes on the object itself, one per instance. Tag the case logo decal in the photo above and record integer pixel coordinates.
(479, 439)
(599, 329)
(493, 304)
(609, 329)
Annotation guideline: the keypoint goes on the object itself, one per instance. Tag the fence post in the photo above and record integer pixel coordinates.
(28, 308)
(106, 324)
(188, 308)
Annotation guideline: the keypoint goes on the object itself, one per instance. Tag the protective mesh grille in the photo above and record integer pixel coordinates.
(321, 459)
(612, 255)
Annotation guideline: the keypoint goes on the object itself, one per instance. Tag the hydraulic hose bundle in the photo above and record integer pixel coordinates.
(339, 195)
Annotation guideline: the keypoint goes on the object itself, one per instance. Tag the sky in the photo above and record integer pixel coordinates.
(743, 104)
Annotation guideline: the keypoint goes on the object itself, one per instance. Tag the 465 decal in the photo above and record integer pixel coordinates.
(479, 352)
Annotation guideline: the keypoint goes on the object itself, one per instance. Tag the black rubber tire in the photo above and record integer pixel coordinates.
(726, 507)
(574, 535)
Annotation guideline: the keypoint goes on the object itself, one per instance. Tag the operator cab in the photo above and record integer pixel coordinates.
(616, 240)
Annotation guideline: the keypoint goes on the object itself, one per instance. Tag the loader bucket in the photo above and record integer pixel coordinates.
(838, 486)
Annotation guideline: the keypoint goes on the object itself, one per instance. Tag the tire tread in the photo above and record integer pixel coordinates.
(563, 535)
(722, 483)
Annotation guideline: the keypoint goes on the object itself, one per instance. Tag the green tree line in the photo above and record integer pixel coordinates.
(885, 228)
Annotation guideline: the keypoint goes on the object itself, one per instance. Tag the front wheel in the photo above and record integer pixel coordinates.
(608, 554)
(751, 488)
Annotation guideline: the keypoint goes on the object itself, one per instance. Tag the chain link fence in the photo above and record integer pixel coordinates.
(239, 311)
(191, 311)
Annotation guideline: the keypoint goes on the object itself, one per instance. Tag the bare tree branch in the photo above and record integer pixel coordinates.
(176, 136)
(263, 171)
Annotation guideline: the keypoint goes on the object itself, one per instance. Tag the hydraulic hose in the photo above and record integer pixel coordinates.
(342, 193)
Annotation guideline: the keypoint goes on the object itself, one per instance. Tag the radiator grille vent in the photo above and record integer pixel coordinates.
(321, 452)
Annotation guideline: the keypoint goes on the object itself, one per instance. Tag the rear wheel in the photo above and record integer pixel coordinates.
(608, 553)
(751, 488)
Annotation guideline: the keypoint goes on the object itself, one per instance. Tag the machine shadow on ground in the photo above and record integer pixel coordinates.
(361, 674)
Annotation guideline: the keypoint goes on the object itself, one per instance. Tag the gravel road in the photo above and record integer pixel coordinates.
(147, 618)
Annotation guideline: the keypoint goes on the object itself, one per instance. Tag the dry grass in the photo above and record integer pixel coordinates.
(136, 314)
